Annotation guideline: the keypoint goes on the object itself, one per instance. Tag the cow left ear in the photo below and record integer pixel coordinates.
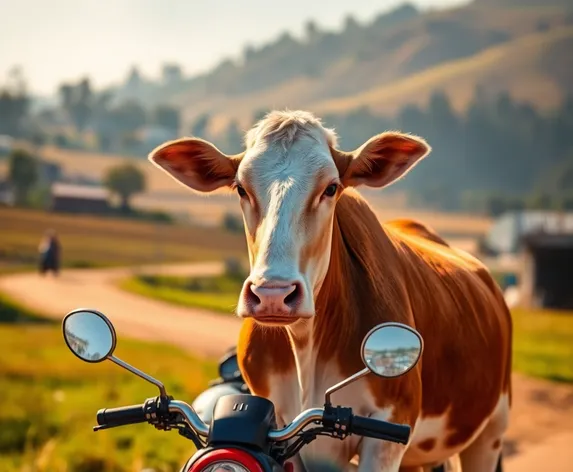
(384, 159)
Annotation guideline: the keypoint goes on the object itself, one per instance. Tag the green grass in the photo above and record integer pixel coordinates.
(13, 312)
(51, 398)
(543, 344)
(219, 294)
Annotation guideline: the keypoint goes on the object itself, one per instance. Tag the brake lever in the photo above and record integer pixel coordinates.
(105, 426)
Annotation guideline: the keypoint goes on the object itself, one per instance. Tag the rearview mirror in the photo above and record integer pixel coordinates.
(388, 350)
(89, 335)
(391, 349)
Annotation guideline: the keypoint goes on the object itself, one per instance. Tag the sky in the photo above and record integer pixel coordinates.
(62, 40)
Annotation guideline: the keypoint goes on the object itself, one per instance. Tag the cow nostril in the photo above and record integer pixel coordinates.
(252, 298)
(292, 298)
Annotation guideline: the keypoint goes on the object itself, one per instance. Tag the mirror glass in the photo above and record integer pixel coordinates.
(89, 335)
(392, 349)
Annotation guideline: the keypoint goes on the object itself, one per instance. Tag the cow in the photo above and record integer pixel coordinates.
(324, 271)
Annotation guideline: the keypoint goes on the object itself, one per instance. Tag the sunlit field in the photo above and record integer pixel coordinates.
(94, 242)
(53, 398)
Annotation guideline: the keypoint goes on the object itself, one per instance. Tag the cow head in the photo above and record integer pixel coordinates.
(288, 181)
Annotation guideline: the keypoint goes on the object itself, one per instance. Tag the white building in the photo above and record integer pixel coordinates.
(507, 232)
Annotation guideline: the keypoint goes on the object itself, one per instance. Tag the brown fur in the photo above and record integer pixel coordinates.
(402, 272)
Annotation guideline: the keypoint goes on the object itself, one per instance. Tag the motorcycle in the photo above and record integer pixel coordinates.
(230, 381)
(242, 434)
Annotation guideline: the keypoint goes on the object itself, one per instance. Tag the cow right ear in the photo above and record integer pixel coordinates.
(384, 159)
(196, 163)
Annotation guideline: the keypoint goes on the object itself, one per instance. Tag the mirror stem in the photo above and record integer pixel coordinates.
(344, 383)
(138, 372)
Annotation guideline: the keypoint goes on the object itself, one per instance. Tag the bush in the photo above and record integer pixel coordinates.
(233, 223)
(12, 312)
(234, 268)
(158, 216)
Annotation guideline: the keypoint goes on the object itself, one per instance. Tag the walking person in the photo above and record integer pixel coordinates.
(50, 253)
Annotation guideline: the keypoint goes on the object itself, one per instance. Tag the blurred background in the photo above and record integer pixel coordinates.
(89, 88)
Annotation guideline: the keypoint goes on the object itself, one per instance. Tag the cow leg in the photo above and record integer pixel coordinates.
(380, 456)
(482, 455)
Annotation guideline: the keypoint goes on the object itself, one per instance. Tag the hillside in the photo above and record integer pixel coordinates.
(536, 68)
(329, 66)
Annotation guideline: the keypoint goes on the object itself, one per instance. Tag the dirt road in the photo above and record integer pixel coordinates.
(541, 428)
(200, 331)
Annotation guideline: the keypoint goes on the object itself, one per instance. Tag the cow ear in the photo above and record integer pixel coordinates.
(384, 159)
(196, 163)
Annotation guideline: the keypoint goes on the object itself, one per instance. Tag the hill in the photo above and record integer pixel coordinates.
(328, 66)
(537, 68)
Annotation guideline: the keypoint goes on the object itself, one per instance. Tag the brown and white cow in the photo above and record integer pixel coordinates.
(324, 271)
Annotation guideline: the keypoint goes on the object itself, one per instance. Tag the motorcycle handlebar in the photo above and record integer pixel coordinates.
(121, 416)
(378, 429)
(363, 426)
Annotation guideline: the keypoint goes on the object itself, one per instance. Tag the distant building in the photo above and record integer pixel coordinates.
(49, 172)
(6, 194)
(6, 145)
(547, 277)
(507, 233)
(72, 198)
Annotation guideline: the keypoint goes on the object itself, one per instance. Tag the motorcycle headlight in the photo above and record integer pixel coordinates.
(226, 460)
(225, 466)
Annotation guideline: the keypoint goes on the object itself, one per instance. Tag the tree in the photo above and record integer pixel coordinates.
(172, 74)
(128, 116)
(200, 126)
(311, 30)
(22, 174)
(232, 141)
(233, 223)
(14, 104)
(77, 102)
(259, 114)
(125, 180)
(167, 116)
(350, 24)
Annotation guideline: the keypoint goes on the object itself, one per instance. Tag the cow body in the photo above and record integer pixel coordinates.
(324, 271)
(460, 389)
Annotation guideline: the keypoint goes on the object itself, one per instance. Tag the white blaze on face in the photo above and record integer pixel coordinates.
(288, 220)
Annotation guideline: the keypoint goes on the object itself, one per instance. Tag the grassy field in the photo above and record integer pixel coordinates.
(92, 241)
(543, 344)
(53, 398)
(212, 293)
(543, 340)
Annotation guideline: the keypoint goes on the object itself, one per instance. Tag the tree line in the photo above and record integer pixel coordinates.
(497, 155)
(82, 115)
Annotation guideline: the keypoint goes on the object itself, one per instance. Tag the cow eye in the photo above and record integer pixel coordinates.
(241, 191)
(330, 191)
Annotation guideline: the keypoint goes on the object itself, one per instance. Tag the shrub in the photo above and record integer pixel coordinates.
(233, 223)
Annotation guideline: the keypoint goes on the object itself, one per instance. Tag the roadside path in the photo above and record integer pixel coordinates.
(200, 331)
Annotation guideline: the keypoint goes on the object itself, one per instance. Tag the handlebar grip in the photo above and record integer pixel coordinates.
(378, 429)
(121, 416)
